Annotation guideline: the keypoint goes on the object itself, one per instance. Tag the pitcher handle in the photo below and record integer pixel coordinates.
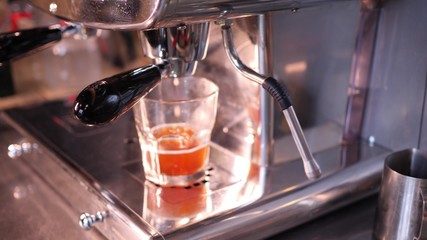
(423, 222)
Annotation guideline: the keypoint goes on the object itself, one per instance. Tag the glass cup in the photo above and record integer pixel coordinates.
(174, 123)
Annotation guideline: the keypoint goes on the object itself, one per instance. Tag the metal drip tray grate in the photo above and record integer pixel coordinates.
(215, 176)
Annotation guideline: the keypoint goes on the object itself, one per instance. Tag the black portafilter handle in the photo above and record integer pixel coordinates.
(107, 99)
(20, 43)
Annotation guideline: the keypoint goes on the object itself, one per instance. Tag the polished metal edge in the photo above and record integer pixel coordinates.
(266, 101)
(360, 71)
(288, 208)
(144, 14)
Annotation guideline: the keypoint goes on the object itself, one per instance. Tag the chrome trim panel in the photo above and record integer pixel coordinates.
(266, 102)
(143, 14)
(360, 71)
(396, 106)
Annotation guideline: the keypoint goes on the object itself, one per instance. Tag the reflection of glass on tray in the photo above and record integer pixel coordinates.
(175, 202)
(167, 208)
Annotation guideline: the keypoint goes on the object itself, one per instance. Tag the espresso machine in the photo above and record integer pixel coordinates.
(272, 166)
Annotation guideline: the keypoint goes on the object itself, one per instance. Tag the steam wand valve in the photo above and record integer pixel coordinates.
(105, 100)
(280, 95)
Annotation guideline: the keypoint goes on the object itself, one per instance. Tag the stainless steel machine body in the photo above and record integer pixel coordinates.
(345, 64)
(137, 14)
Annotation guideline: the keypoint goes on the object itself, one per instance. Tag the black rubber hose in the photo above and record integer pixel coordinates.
(278, 92)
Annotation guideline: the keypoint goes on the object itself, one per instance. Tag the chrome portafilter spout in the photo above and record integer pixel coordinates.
(280, 95)
(175, 52)
(182, 46)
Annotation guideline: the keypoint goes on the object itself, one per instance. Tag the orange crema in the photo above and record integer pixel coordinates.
(179, 151)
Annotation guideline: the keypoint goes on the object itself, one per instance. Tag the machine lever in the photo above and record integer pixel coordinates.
(105, 100)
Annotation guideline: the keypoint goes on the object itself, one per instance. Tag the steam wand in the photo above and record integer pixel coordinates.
(280, 95)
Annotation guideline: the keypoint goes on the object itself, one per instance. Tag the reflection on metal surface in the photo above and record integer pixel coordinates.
(295, 68)
(53, 8)
(238, 199)
(173, 207)
(17, 149)
(287, 208)
(360, 73)
(399, 77)
(354, 222)
(145, 14)
(323, 37)
(182, 46)
(22, 191)
(231, 181)
(87, 220)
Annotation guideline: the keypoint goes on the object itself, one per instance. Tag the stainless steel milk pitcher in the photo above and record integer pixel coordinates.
(401, 211)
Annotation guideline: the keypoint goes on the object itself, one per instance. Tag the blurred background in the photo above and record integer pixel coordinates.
(65, 67)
